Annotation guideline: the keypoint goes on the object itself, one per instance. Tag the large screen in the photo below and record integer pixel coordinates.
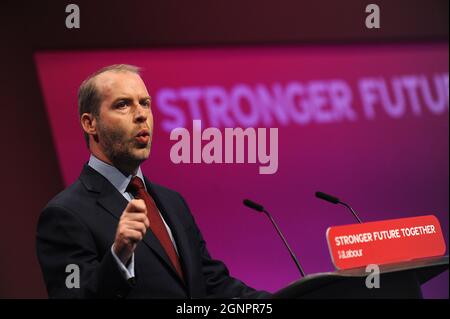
(366, 123)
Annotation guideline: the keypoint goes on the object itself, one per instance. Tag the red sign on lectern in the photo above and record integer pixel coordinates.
(385, 242)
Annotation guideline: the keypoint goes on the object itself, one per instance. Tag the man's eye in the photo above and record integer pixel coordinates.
(146, 103)
(121, 104)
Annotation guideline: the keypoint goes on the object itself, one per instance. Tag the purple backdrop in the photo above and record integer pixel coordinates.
(367, 123)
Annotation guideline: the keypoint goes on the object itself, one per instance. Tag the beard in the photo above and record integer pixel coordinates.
(121, 148)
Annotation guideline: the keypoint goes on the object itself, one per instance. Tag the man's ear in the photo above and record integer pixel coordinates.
(89, 123)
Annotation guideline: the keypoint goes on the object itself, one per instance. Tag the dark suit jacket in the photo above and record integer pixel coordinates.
(78, 226)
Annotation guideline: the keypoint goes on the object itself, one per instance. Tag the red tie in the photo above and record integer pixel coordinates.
(136, 187)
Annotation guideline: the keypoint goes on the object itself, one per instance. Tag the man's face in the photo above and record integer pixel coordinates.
(125, 121)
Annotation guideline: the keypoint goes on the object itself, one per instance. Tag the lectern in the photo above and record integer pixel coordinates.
(400, 280)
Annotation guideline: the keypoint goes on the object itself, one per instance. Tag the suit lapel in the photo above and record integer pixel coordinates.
(108, 196)
(153, 243)
(177, 229)
(114, 203)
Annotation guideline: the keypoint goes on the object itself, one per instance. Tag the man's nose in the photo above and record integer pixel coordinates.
(141, 113)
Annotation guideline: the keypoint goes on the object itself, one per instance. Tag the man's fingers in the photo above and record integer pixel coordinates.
(136, 205)
(134, 225)
(137, 217)
(133, 235)
(146, 221)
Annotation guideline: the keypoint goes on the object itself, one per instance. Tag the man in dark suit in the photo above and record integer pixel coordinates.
(113, 233)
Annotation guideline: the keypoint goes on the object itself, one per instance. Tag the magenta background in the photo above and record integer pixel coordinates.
(386, 168)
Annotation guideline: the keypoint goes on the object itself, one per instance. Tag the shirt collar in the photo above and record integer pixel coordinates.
(113, 175)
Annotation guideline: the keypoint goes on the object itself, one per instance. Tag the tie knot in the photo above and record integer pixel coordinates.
(135, 185)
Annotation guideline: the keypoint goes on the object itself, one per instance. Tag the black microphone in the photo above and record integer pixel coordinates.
(336, 200)
(260, 208)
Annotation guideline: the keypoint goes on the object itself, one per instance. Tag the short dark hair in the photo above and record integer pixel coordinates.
(89, 99)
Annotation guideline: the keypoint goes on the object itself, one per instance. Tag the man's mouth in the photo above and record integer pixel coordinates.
(143, 137)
